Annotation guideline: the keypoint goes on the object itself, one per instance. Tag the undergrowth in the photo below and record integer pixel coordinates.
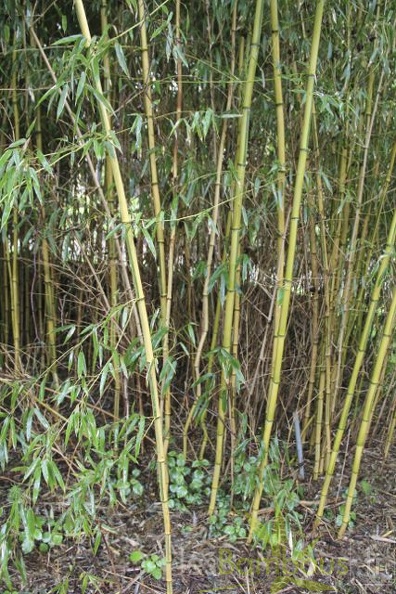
(85, 465)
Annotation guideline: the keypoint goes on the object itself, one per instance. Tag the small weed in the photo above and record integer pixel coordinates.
(368, 490)
(223, 522)
(150, 564)
(341, 511)
(188, 485)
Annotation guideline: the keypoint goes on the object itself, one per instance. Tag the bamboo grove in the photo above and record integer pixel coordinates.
(197, 236)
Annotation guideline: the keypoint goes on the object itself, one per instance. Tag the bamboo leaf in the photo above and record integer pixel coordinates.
(167, 373)
(121, 58)
(81, 365)
(62, 101)
(41, 418)
(70, 39)
(149, 242)
(81, 85)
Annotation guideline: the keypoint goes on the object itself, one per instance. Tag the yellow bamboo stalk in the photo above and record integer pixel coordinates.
(375, 295)
(350, 264)
(281, 178)
(237, 202)
(113, 277)
(143, 316)
(13, 256)
(281, 147)
(172, 239)
(375, 383)
(148, 106)
(211, 248)
(284, 293)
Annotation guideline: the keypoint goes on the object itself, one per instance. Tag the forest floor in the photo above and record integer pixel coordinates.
(363, 562)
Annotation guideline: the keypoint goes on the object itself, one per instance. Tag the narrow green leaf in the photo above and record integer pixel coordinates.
(17, 143)
(103, 376)
(41, 418)
(149, 241)
(44, 470)
(62, 101)
(68, 40)
(121, 58)
(81, 365)
(81, 84)
(55, 472)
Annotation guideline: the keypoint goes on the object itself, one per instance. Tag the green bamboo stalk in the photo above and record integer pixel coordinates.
(5, 294)
(284, 293)
(205, 290)
(350, 264)
(212, 242)
(49, 296)
(381, 273)
(237, 202)
(148, 106)
(165, 292)
(281, 179)
(368, 410)
(143, 316)
(320, 399)
(318, 288)
(235, 353)
(108, 181)
(242, 68)
(172, 239)
(281, 148)
(13, 257)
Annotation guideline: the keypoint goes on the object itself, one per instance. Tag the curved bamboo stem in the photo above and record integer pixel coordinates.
(143, 316)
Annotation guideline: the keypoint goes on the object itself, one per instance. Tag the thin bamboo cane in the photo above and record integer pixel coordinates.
(111, 241)
(350, 264)
(242, 67)
(234, 378)
(281, 177)
(237, 202)
(172, 239)
(284, 293)
(143, 316)
(281, 149)
(212, 242)
(5, 295)
(49, 294)
(384, 264)
(322, 288)
(148, 105)
(369, 242)
(13, 256)
(368, 410)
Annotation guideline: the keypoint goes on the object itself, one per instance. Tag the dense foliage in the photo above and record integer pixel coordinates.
(237, 274)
